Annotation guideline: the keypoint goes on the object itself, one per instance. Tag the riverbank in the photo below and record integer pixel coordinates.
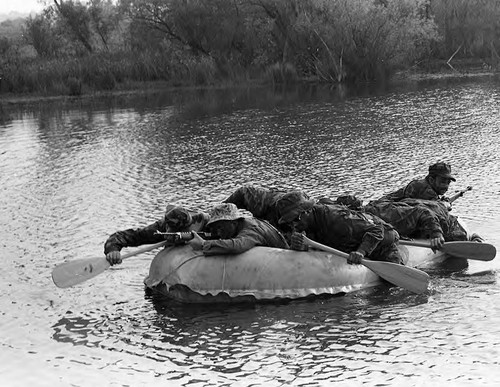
(138, 89)
(129, 90)
(442, 69)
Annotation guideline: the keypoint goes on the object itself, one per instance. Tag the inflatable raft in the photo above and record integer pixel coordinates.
(266, 274)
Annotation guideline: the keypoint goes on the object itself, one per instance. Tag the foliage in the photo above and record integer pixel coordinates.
(105, 20)
(103, 44)
(76, 19)
(355, 39)
(42, 34)
(217, 29)
(471, 27)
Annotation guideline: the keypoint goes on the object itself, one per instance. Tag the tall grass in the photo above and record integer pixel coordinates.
(102, 72)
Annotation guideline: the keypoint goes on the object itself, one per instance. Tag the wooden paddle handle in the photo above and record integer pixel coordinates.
(325, 248)
(415, 243)
(143, 250)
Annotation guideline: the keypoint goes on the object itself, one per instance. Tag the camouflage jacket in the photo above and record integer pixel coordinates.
(416, 189)
(452, 229)
(251, 232)
(415, 221)
(260, 202)
(148, 235)
(346, 230)
(417, 218)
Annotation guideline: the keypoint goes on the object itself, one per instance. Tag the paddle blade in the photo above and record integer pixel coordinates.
(470, 250)
(406, 277)
(74, 272)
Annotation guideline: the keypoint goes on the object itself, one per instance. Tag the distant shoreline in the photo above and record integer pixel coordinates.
(146, 88)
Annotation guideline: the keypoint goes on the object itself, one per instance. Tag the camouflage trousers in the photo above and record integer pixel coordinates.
(387, 250)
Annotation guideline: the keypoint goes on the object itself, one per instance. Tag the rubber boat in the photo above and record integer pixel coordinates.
(266, 274)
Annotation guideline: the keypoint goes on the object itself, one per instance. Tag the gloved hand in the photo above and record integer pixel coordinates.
(355, 258)
(297, 241)
(114, 258)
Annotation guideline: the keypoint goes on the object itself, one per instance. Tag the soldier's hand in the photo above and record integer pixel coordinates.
(447, 203)
(297, 241)
(437, 243)
(197, 242)
(114, 258)
(355, 258)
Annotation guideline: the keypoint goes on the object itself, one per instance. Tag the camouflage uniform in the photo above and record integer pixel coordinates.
(175, 219)
(415, 218)
(416, 189)
(422, 189)
(250, 232)
(338, 227)
(260, 202)
(452, 230)
(410, 221)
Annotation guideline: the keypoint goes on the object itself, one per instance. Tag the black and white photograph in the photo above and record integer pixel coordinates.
(212, 193)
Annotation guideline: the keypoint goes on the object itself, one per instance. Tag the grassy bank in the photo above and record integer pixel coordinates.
(75, 50)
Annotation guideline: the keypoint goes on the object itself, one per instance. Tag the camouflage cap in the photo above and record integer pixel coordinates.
(292, 204)
(225, 211)
(441, 169)
(350, 201)
(178, 217)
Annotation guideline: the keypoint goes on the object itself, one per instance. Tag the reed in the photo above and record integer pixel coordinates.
(103, 72)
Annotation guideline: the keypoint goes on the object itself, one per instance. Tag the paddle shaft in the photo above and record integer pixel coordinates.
(144, 249)
(319, 246)
(409, 278)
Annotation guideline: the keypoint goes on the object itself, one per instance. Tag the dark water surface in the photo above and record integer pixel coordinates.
(71, 175)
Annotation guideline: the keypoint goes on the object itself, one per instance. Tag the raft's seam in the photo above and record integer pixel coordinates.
(223, 275)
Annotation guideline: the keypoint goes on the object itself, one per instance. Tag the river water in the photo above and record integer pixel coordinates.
(73, 173)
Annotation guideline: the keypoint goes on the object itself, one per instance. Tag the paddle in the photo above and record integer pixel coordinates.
(406, 277)
(74, 272)
(461, 249)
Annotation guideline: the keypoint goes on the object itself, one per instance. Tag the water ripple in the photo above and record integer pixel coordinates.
(68, 180)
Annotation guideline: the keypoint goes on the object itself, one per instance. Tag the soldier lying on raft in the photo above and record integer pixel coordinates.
(281, 219)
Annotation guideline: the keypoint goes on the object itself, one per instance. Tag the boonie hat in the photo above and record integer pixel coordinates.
(225, 211)
(441, 169)
(292, 204)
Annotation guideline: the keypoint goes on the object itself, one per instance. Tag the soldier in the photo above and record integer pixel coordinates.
(236, 232)
(432, 187)
(176, 219)
(356, 233)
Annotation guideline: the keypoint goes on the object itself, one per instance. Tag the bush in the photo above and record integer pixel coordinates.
(281, 73)
(74, 86)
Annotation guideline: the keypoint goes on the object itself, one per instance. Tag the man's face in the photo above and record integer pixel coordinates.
(300, 223)
(440, 184)
(223, 229)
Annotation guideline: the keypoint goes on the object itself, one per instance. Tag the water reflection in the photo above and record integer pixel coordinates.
(238, 341)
